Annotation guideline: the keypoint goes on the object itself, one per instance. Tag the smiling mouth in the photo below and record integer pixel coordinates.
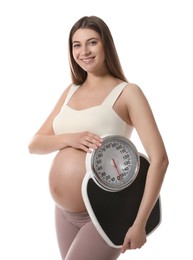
(87, 60)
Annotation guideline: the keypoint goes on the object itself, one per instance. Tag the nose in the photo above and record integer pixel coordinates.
(85, 49)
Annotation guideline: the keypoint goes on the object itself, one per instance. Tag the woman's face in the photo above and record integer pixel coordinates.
(88, 51)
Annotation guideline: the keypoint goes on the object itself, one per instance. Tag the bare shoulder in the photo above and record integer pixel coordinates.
(64, 95)
(46, 127)
(134, 97)
(66, 90)
(133, 91)
(133, 88)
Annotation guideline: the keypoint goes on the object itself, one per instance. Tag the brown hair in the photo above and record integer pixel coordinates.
(111, 57)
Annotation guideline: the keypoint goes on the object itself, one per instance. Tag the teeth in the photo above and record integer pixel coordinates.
(88, 59)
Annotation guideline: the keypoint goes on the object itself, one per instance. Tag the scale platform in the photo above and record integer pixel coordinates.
(114, 212)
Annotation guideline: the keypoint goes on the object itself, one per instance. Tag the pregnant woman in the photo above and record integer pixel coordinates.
(99, 101)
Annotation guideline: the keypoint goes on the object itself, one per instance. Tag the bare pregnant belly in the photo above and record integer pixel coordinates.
(65, 179)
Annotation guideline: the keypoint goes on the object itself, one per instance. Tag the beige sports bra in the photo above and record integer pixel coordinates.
(101, 119)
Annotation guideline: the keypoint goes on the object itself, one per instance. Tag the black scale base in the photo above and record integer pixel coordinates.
(116, 211)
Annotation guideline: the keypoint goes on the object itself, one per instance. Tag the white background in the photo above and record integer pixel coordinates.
(154, 42)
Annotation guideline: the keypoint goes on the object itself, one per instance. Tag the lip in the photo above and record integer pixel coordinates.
(87, 60)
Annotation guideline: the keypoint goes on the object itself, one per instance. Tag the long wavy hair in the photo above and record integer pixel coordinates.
(113, 64)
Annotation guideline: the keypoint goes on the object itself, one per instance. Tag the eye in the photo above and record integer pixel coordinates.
(76, 45)
(92, 42)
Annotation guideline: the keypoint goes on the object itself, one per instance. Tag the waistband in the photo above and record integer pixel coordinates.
(78, 219)
(76, 215)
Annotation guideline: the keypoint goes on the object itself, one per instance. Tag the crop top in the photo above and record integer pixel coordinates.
(101, 119)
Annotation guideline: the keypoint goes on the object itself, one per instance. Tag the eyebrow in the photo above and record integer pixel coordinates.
(92, 38)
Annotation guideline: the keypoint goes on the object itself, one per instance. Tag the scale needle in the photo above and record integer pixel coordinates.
(115, 165)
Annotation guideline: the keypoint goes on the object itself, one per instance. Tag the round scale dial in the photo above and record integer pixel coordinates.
(115, 163)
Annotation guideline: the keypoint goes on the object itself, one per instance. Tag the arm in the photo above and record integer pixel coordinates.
(45, 141)
(142, 118)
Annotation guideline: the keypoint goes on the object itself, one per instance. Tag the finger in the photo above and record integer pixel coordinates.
(93, 135)
(126, 246)
(86, 149)
(92, 145)
(92, 142)
(86, 146)
(94, 138)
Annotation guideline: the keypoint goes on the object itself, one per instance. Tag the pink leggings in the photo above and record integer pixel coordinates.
(79, 240)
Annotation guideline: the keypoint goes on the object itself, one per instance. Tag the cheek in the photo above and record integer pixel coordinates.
(75, 55)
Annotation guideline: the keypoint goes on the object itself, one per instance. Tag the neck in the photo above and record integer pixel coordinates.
(94, 80)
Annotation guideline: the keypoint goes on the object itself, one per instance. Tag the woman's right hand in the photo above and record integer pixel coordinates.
(84, 141)
(48, 143)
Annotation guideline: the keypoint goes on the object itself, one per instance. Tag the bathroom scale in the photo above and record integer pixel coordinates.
(113, 187)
